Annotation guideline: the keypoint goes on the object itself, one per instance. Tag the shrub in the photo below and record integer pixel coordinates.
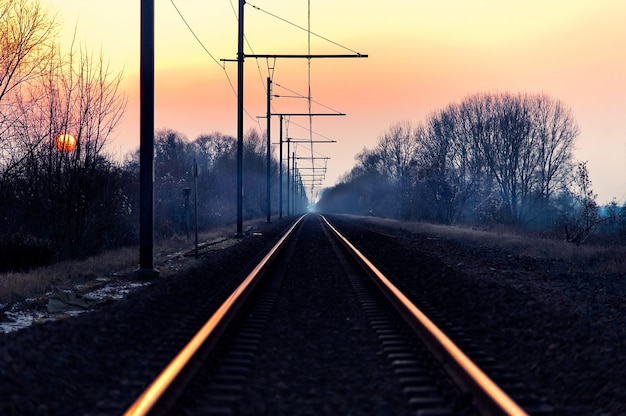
(19, 252)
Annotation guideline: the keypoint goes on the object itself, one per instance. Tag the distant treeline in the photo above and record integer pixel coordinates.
(73, 209)
(491, 159)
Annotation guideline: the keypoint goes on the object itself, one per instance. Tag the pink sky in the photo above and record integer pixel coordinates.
(422, 56)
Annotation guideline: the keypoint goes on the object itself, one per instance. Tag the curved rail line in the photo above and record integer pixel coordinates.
(162, 393)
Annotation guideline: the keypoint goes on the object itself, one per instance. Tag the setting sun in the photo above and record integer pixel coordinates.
(66, 142)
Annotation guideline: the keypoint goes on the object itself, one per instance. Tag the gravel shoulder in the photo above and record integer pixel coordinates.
(562, 327)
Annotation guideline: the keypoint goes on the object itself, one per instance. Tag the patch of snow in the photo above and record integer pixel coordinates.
(23, 316)
(20, 320)
(114, 291)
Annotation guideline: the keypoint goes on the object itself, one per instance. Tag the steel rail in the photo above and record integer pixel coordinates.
(486, 395)
(160, 394)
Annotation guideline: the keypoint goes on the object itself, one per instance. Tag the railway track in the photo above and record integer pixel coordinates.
(316, 328)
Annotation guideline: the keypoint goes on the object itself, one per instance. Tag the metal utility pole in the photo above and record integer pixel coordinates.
(293, 179)
(289, 140)
(146, 143)
(288, 174)
(269, 155)
(268, 116)
(195, 202)
(280, 169)
(240, 59)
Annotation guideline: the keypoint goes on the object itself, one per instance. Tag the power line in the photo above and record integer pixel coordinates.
(223, 67)
(304, 96)
(194, 35)
(232, 6)
(303, 28)
(307, 129)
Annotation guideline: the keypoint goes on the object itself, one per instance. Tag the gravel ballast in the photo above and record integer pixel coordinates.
(561, 331)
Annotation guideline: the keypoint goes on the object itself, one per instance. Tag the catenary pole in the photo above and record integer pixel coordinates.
(288, 177)
(280, 168)
(146, 142)
(289, 140)
(240, 69)
(240, 59)
(195, 204)
(269, 155)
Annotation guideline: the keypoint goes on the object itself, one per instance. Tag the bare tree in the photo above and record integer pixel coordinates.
(368, 188)
(505, 150)
(585, 218)
(27, 33)
(450, 165)
(503, 155)
(79, 96)
(398, 148)
(556, 131)
(217, 181)
(210, 148)
(525, 142)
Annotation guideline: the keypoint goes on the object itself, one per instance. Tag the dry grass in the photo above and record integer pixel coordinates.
(169, 255)
(169, 258)
(14, 286)
(595, 259)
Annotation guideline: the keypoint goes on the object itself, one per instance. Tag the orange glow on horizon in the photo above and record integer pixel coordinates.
(422, 57)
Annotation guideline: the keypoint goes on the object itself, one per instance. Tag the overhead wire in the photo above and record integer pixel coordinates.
(307, 130)
(303, 28)
(222, 66)
(270, 69)
(309, 34)
(298, 95)
(194, 34)
(245, 38)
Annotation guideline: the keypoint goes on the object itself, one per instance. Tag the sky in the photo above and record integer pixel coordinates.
(422, 56)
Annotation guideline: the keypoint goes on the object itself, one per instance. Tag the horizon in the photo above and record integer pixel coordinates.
(422, 57)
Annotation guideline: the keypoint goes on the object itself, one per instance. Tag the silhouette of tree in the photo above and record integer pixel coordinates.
(451, 166)
(27, 33)
(491, 158)
(75, 94)
(526, 144)
(585, 216)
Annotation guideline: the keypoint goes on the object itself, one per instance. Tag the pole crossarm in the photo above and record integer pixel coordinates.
(309, 141)
(301, 56)
(241, 55)
(302, 114)
(313, 158)
(305, 56)
(293, 140)
(308, 114)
